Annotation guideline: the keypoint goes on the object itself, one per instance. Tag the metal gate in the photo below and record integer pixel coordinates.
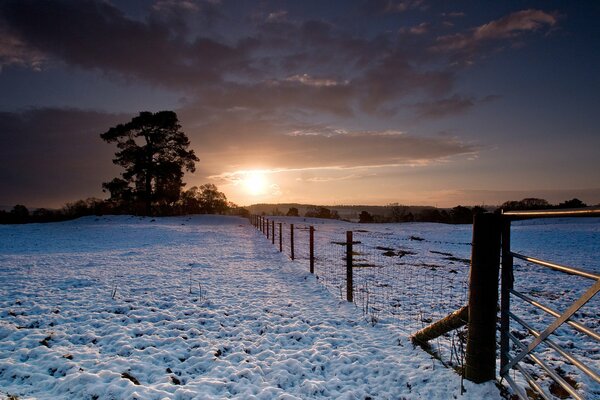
(514, 351)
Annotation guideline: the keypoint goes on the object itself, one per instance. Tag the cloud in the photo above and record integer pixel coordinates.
(306, 79)
(271, 64)
(242, 140)
(514, 24)
(393, 6)
(508, 27)
(98, 36)
(14, 52)
(277, 16)
(394, 77)
(168, 5)
(48, 156)
(420, 29)
(444, 107)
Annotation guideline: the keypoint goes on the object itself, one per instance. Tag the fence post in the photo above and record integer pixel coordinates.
(292, 241)
(506, 283)
(272, 231)
(312, 249)
(349, 283)
(267, 228)
(280, 239)
(480, 360)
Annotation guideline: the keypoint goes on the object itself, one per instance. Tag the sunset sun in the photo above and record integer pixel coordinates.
(255, 183)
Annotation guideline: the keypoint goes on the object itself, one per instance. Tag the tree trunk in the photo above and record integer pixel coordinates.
(148, 182)
(453, 321)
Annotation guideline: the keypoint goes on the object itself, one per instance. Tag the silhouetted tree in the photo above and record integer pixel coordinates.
(365, 217)
(80, 208)
(234, 209)
(292, 212)
(19, 214)
(530, 203)
(433, 215)
(461, 215)
(573, 203)
(211, 200)
(399, 212)
(189, 201)
(478, 210)
(321, 212)
(154, 152)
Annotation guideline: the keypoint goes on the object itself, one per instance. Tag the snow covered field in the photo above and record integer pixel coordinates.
(203, 308)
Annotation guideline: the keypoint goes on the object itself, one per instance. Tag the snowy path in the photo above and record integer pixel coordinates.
(260, 328)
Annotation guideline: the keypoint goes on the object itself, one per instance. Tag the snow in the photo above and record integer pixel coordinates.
(202, 307)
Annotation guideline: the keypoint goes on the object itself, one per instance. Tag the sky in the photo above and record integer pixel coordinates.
(323, 102)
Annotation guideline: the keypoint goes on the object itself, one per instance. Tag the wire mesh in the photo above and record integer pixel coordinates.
(403, 280)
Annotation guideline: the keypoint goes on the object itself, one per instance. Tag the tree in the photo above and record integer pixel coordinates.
(461, 215)
(321, 212)
(530, 203)
(154, 152)
(211, 200)
(189, 201)
(19, 214)
(292, 212)
(399, 212)
(573, 203)
(365, 217)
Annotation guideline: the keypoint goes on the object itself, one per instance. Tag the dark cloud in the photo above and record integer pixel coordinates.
(97, 35)
(49, 155)
(395, 77)
(15, 52)
(256, 66)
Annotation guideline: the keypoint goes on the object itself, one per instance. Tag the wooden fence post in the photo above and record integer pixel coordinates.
(280, 239)
(506, 285)
(267, 228)
(312, 249)
(272, 231)
(292, 241)
(480, 360)
(349, 283)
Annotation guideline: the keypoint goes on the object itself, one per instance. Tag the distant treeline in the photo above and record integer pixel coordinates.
(403, 213)
(205, 199)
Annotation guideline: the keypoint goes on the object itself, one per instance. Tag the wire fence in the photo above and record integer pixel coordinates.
(400, 280)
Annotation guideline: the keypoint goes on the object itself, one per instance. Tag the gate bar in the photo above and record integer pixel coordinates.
(555, 324)
(589, 372)
(581, 328)
(558, 267)
(557, 378)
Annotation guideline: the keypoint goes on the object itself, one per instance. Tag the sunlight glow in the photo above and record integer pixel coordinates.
(255, 183)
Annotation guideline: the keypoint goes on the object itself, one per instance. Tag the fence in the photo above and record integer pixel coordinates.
(535, 348)
(368, 268)
(402, 280)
